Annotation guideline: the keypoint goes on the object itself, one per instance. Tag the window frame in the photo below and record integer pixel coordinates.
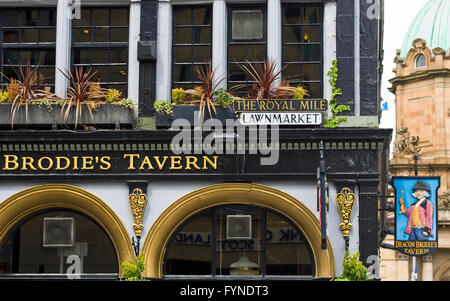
(320, 43)
(193, 82)
(91, 45)
(263, 227)
(230, 42)
(24, 46)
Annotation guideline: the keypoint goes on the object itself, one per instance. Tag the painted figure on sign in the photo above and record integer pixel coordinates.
(420, 213)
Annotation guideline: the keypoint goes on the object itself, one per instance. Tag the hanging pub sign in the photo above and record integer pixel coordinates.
(416, 215)
(280, 111)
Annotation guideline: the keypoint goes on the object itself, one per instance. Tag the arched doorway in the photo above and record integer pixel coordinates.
(254, 196)
(63, 207)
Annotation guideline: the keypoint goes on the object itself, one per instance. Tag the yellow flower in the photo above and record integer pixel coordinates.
(178, 96)
(113, 95)
(300, 93)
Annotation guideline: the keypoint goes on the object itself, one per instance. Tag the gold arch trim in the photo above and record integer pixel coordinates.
(50, 196)
(234, 193)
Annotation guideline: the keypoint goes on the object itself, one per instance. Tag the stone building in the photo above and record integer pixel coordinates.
(422, 95)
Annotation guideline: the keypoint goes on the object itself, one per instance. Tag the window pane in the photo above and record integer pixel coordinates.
(256, 53)
(190, 248)
(292, 72)
(81, 35)
(118, 74)
(292, 16)
(202, 54)
(183, 73)
(119, 34)
(312, 15)
(311, 53)
(11, 36)
(29, 35)
(202, 35)
(47, 35)
(183, 54)
(311, 34)
(46, 75)
(235, 256)
(47, 17)
(11, 57)
(291, 34)
(11, 17)
(100, 35)
(81, 56)
(99, 56)
(183, 16)
(287, 250)
(31, 17)
(314, 89)
(100, 17)
(118, 55)
(237, 53)
(102, 73)
(119, 17)
(247, 25)
(183, 35)
(85, 18)
(292, 53)
(202, 16)
(312, 72)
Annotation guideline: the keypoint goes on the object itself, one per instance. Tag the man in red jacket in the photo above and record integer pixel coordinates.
(420, 213)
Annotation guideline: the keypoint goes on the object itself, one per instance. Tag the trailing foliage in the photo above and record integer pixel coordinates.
(163, 107)
(223, 98)
(132, 270)
(353, 269)
(113, 95)
(335, 92)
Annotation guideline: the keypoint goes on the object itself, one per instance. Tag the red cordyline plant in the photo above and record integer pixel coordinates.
(26, 86)
(204, 95)
(78, 93)
(265, 75)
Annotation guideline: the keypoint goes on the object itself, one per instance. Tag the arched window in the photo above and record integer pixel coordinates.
(420, 61)
(42, 244)
(238, 240)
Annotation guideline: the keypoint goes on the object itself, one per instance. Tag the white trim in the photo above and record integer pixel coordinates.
(63, 47)
(134, 30)
(329, 44)
(274, 33)
(219, 41)
(357, 67)
(164, 51)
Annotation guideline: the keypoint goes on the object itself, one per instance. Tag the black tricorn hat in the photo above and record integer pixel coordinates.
(422, 186)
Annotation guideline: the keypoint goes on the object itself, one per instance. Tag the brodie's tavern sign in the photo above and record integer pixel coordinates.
(280, 111)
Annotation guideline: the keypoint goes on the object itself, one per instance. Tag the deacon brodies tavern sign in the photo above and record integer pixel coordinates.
(280, 111)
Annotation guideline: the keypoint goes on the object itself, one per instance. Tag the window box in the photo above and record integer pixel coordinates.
(106, 116)
(163, 120)
(190, 113)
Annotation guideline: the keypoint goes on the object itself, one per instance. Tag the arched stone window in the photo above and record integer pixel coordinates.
(420, 61)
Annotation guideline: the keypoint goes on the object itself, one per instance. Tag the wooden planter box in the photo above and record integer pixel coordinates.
(191, 113)
(40, 117)
(163, 120)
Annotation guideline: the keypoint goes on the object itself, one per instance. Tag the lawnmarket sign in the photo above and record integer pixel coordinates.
(280, 111)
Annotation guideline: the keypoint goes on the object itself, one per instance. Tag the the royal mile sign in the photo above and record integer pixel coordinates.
(280, 111)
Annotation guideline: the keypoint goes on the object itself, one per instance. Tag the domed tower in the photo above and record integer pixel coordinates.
(422, 94)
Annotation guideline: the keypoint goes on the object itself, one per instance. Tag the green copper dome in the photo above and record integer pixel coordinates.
(432, 24)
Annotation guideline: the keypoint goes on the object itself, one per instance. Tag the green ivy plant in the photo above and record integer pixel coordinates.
(353, 269)
(335, 109)
(223, 98)
(163, 107)
(132, 269)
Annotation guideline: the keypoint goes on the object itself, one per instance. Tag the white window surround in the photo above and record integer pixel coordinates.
(219, 38)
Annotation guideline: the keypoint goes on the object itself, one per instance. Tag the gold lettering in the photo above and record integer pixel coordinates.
(262, 105)
(175, 160)
(245, 105)
(131, 156)
(75, 162)
(50, 163)
(11, 159)
(146, 162)
(27, 161)
(304, 105)
(291, 106)
(191, 160)
(271, 104)
(58, 163)
(285, 106)
(160, 165)
(213, 164)
(323, 103)
(105, 164)
(87, 162)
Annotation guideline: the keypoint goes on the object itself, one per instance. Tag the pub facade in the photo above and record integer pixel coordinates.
(263, 190)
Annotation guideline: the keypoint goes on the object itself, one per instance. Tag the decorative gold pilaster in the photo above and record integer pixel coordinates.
(138, 201)
(345, 200)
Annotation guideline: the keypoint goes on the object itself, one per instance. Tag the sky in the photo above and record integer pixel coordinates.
(398, 15)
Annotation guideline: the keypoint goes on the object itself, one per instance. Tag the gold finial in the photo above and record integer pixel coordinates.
(138, 201)
(345, 200)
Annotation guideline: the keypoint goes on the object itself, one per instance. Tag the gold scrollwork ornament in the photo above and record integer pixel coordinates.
(345, 200)
(138, 201)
